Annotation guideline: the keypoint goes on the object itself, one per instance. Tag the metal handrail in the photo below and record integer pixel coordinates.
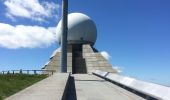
(28, 71)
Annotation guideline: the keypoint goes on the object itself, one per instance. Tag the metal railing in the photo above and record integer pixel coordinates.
(28, 72)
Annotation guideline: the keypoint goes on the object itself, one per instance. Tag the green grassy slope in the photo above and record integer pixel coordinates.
(10, 84)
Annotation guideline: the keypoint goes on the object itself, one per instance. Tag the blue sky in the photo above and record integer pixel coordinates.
(135, 33)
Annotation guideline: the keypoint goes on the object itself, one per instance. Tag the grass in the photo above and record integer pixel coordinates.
(12, 83)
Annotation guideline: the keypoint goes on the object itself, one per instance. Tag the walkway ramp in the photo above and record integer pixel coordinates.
(51, 88)
(91, 87)
(65, 86)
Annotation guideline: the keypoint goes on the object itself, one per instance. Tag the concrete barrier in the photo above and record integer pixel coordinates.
(151, 90)
(64, 96)
(101, 73)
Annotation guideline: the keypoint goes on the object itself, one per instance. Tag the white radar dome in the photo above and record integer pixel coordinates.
(81, 29)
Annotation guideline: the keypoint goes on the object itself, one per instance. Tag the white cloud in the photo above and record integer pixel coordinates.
(105, 55)
(11, 17)
(31, 9)
(119, 69)
(21, 36)
(108, 57)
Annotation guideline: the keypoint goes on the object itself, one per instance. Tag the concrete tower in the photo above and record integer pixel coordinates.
(82, 57)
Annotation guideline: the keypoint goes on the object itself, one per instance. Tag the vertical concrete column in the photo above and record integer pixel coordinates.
(64, 36)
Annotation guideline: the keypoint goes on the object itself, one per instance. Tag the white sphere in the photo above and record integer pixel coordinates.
(81, 29)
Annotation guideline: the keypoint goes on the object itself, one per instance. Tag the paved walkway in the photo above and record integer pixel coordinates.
(81, 87)
(90, 87)
(51, 88)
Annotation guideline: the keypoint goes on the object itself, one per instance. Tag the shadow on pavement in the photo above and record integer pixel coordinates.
(71, 94)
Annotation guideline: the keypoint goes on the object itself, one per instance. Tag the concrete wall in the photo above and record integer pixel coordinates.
(54, 61)
(94, 60)
(86, 63)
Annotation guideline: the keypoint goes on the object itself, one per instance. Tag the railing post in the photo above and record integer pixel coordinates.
(13, 72)
(2, 72)
(27, 71)
(35, 72)
(20, 71)
(52, 72)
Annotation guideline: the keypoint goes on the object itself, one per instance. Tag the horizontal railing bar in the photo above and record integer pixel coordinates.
(27, 71)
